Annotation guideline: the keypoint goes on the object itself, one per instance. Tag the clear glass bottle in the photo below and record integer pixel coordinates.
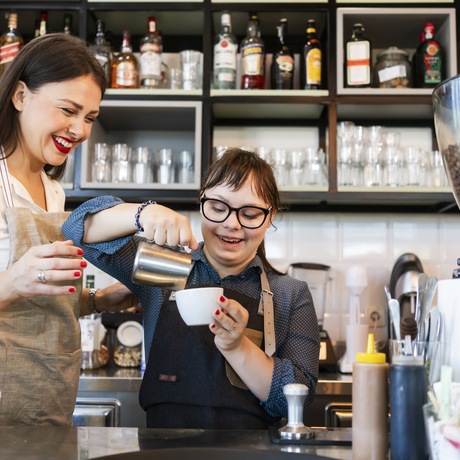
(68, 24)
(311, 59)
(151, 47)
(225, 49)
(101, 50)
(124, 67)
(283, 61)
(11, 43)
(253, 56)
(358, 53)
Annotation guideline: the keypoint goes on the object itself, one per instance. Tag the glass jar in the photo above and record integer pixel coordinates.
(393, 69)
(92, 334)
(127, 350)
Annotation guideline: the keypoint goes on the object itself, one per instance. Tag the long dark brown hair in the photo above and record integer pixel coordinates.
(234, 169)
(52, 58)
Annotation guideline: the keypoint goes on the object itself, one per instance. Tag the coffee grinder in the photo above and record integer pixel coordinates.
(317, 277)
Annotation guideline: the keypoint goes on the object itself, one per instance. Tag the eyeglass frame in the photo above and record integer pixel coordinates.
(237, 212)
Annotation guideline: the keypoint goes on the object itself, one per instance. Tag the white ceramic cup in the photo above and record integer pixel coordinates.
(195, 305)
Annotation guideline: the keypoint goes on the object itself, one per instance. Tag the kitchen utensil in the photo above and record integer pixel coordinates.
(387, 292)
(393, 307)
(295, 429)
(427, 299)
(434, 319)
(422, 279)
(161, 266)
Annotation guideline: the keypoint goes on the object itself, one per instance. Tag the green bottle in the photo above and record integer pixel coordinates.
(428, 63)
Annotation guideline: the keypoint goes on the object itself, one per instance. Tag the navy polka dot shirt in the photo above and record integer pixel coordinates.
(296, 327)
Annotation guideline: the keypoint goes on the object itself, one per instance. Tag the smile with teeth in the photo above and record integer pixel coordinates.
(230, 240)
(63, 142)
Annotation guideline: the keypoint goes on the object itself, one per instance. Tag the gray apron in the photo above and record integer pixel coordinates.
(40, 350)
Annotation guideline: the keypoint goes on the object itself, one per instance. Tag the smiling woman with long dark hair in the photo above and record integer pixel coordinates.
(231, 373)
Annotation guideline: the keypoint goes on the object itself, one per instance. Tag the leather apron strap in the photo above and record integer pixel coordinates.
(266, 309)
(5, 181)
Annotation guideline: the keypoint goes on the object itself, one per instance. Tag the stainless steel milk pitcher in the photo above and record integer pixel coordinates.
(161, 266)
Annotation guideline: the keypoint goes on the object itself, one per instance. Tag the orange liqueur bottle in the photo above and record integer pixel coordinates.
(10, 43)
(125, 73)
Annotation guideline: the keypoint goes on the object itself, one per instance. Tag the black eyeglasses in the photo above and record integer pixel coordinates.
(248, 216)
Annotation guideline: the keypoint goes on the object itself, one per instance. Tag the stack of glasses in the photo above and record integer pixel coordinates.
(121, 163)
(373, 157)
(299, 167)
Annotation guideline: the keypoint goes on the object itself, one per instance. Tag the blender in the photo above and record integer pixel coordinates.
(446, 101)
(317, 277)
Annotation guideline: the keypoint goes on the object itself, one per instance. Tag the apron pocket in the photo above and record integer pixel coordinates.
(256, 338)
(38, 388)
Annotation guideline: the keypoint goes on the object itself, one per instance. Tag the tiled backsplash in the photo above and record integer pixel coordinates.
(374, 241)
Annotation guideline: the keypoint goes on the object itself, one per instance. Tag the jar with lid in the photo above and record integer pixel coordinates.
(127, 350)
(393, 69)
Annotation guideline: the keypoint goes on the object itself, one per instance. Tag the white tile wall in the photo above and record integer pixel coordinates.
(374, 241)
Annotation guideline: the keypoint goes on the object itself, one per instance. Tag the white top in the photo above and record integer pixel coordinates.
(55, 200)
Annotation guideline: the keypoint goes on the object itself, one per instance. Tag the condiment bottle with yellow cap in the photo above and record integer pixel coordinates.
(370, 404)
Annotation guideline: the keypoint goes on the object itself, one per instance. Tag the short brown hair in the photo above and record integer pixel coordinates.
(233, 169)
(52, 58)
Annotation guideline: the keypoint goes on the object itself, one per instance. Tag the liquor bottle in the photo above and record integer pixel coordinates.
(150, 60)
(68, 24)
(358, 52)
(43, 25)
(253, 56)
(428, 63)
(37, 28)
(310, 70)
(102, 51)
(225, 49)
(283, 61)
(124, 66)
(10, 43)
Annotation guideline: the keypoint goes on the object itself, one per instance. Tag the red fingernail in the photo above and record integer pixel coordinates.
(83, 264)
(80, 252)
(217, 312)
(72, 290)
(76, 274)
(213, 326)
(222, 298)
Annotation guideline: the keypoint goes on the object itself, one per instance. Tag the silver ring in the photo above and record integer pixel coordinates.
(232, 329)
(41, 276)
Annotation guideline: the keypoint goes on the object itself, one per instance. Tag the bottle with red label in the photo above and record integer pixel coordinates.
(428, 63)
(124, 66)
(253, 56)
(10, 43)
(283, 61)
(310, 70)
(151, 47)
(358, 52)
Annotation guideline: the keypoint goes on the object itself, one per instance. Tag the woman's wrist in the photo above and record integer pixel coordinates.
(138, 214)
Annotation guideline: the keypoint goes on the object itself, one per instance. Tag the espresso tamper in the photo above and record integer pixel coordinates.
(295, 429)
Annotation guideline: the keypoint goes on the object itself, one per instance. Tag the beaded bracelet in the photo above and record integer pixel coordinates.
(139, 209)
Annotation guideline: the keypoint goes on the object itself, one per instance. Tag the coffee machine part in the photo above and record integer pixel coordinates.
(295, 429)
(317, 277)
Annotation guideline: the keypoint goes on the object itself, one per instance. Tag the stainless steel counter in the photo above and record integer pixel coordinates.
(115, 379)
(58, 443)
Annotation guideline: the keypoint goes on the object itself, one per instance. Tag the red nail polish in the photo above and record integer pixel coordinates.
(213, 326)
(217, 312)
(72, 290)
(83, 264)
(222, 298)
(80, 252)
(76, 274)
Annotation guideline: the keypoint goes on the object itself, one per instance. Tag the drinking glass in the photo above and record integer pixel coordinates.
(391, 138)
(296, 172)
(279, 157)
(142, 170)
(175, 79)
(121, 170)
(165, 166)
(219, 151)
(372, 168)
(345, 162)
(186, 168)
(67, 178)
(345, 130)
(412, 156)
(102, 164)
(390, 166)
(438, 174)
(264, 153)
(314, 166)
(191, 62)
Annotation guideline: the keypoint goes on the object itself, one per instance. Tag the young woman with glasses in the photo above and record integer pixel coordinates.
(231, 373)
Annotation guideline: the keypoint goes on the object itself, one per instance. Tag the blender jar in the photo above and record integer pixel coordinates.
(317, 277)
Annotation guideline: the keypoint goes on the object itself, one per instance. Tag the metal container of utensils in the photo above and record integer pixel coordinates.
(161, 266)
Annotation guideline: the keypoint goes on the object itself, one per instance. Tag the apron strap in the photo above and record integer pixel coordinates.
(266, 309)
(5, 181)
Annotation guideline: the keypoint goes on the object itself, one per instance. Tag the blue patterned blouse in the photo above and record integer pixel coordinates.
(296, 326)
